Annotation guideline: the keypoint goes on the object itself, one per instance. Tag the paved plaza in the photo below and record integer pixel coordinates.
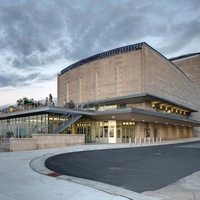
(25, 177)
(136, 169)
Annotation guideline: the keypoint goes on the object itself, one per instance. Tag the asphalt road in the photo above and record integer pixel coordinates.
(137, 169)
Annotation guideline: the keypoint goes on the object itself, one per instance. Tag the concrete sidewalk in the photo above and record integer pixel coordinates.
(20, 181)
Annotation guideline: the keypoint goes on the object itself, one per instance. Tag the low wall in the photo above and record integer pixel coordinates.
(22, 144)
(46, 141)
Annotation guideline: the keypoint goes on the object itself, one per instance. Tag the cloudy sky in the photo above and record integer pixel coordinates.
(39, 38)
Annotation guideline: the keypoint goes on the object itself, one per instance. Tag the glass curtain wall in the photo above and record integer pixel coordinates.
(97, 131)
(23, 127)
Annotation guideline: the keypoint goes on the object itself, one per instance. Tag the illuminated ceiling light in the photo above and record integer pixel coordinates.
(153, 105)
(175, 124)
(183, 125)
(161, 107)
(113, 117)
(156, 122)
(166, 122)
(143, 120)
(132, 119)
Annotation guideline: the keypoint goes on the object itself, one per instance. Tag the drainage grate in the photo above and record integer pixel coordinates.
(54, 174)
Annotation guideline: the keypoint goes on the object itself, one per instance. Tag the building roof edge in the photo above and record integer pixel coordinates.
(184, 56)
(105, 54)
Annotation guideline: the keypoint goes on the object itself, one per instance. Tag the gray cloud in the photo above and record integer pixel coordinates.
(37, 33)
(14, 80)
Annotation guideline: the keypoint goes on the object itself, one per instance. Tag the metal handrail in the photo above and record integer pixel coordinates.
(66, 116)
(67, 123)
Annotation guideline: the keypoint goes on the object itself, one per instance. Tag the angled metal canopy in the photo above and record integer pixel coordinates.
(144, 97)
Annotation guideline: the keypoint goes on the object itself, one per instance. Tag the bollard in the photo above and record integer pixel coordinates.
(140, 140)
(145, 140)
(160, 140)
(135, 141)
(156, 139)
(129, 139)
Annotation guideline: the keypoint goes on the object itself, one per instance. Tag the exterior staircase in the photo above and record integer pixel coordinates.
(71, 118)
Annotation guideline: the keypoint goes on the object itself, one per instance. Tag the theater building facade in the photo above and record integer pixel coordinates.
(134, 89)
(116, 96)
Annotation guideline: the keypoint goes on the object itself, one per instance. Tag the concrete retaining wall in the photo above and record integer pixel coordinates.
(22, 144)
(45, 141)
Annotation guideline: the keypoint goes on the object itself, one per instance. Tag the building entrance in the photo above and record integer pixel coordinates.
(106, 132)
(127, 134)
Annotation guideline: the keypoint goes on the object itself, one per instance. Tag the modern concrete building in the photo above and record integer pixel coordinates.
(121, 94)
(134, 86)
(190, 65)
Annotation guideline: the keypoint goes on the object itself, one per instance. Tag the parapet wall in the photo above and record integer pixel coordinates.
(46, 141)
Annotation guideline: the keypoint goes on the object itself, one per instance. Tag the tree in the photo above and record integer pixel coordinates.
(26, 103)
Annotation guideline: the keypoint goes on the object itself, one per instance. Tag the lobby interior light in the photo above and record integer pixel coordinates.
(113, 117)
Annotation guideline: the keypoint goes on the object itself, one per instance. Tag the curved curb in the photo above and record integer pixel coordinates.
(38, 165)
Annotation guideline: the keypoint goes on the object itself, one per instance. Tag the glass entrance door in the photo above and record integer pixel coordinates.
(128, 133)
(119, 135)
